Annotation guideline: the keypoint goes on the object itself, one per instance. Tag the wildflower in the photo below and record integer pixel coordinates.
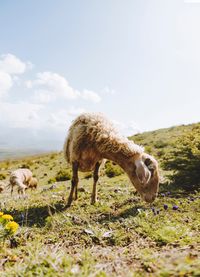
(1, 213)
(7, 217)
(165, 206)
(175, 207)
(11, 227)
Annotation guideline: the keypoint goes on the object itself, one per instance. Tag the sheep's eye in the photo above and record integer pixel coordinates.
(147, 162)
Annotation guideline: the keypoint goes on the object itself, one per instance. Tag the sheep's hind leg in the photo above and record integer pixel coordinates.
(74, 183)
(95, 177)
(76, 192)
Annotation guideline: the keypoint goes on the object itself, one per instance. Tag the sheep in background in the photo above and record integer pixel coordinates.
(92, 138)
(23, 179)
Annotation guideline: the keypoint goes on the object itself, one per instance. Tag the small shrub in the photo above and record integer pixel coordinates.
(53, 156)
(2, 176)
(51, 180)
(63, 175)
(112, 170)
(26, 165)
(160, 144)
(160, 153)
(88, 175)
(184, 160)
(148, 149)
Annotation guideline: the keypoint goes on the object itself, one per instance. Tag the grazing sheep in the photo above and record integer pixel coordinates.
(92, 138)
(23, 179)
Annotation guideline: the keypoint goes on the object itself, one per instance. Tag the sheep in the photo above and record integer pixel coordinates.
(23, 179)
(93, 138)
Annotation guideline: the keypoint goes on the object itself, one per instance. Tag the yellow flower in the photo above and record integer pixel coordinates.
(7, 217)
(12, 227)
(1, 213)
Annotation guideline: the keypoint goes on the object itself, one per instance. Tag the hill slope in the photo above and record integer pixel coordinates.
(118, 236)
(161, 141)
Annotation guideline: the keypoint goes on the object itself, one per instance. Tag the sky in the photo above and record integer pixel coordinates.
(137, 61)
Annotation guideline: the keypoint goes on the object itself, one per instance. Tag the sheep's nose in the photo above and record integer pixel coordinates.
(153, 198)
(150, 199)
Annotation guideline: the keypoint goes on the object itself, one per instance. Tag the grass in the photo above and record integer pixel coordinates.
(118, 236)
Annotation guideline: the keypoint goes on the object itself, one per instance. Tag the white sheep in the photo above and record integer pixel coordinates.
(92, 138)
(23, 179)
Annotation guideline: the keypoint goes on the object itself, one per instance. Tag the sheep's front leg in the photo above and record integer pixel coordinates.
(95, 177)
(23, 192)
(74, 183)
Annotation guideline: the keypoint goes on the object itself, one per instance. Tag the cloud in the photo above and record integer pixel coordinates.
(20, 115)
(54, 83)
(61, 119)
(75, 111)
(43, 96)
(5, 83)
(26, 115)
(13, 65)
(127, 129)
(90, 95)
(10, 66)
(49, 86)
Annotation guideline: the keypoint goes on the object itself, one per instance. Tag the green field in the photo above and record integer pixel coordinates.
(118, 236)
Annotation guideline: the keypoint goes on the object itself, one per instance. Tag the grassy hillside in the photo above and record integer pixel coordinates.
(118, 236)
(161, 141)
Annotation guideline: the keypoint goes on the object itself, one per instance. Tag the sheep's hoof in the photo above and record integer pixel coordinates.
(68, 203)
(93, 201)
(67, 206)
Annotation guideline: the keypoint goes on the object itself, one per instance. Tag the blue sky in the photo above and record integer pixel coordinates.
(137, 61)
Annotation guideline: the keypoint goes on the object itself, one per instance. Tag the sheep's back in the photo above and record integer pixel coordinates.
(21, 174)
(94, 130)
(87, 130)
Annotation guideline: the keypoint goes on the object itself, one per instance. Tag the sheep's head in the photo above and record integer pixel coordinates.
(33, 183)
(145, 177)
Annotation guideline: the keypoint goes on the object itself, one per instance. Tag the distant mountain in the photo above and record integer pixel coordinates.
(16, 142)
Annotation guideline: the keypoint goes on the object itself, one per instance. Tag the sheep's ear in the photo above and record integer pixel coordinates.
(142, 172)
